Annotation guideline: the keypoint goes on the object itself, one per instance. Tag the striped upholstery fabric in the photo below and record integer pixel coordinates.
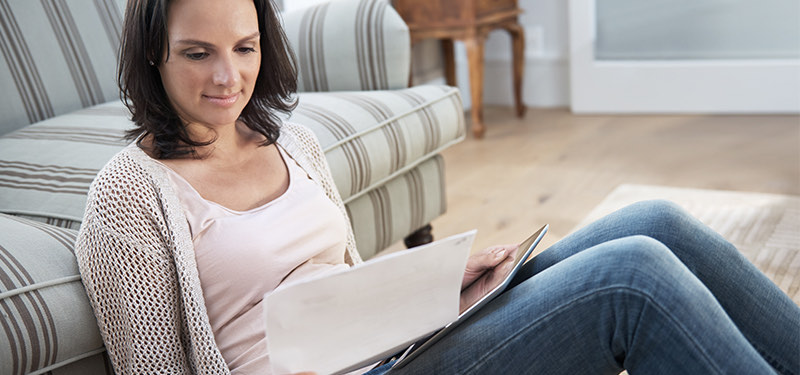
(348, 45)
(46, 168)
(377, 134)
(47, 321)
(404, 204)
(57, 56)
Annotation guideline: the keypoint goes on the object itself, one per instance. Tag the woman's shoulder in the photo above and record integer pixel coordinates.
(294, 133)
(293, 127)
(301, 143)
(128, 166)
(129, 179)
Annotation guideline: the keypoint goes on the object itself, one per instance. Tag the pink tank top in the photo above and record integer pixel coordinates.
(241, 255)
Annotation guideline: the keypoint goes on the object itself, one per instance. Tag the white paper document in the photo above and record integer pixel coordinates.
(348, 320)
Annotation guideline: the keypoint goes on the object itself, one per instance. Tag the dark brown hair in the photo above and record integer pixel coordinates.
(144, 35)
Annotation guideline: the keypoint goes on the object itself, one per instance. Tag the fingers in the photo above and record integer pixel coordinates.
(490, 257)
(479, 262)
(486, 282)
(499, 273)
(484, 260)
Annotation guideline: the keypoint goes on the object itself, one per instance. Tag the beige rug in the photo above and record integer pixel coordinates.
(765, 227)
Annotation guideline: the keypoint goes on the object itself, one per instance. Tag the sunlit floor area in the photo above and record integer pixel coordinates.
(554, 167)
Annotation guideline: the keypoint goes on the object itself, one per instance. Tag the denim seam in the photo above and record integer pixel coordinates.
(558, 309)
(777, 365)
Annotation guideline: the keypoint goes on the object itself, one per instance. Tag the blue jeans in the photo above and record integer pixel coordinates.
(649, 289)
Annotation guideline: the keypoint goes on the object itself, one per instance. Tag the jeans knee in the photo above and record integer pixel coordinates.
(636, 257)
(655, 216)
(641, 249)
(647, 267)
(661, 206)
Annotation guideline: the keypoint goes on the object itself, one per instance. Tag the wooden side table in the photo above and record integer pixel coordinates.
(469, 21)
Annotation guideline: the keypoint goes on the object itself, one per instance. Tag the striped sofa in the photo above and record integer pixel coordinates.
(62, 120)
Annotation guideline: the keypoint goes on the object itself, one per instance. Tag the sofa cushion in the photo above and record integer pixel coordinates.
(57, 56)
(404, 204)
(372, 137)
(48, 322)
(368, 137)
(46, 168)
(349, 45)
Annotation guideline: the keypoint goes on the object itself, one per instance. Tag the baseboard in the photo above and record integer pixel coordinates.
(545, 82)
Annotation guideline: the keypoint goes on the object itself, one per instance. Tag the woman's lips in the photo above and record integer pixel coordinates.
(222, 100)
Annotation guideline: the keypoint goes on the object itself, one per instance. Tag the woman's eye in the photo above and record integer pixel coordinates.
(196, 55)
(246, 50)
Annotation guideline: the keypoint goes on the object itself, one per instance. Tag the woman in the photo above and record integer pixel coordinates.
(211, 206)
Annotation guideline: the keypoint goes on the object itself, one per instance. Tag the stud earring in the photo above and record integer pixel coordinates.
(151, 62)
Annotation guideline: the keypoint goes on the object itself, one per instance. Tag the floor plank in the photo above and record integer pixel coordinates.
(554, 167)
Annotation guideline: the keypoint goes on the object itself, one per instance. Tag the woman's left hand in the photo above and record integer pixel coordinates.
(485, 270)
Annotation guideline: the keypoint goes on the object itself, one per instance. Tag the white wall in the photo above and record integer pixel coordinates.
(546, 79)
(297, 4)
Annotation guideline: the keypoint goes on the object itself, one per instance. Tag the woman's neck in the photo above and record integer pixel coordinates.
(230, 143)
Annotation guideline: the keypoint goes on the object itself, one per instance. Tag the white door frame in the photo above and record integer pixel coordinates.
(673, 86)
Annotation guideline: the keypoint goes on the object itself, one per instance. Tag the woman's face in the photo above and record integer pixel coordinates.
(213, 61)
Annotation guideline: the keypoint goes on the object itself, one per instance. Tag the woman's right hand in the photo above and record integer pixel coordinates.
(485, 271)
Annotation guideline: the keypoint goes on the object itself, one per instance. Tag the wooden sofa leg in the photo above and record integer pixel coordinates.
(420, 237)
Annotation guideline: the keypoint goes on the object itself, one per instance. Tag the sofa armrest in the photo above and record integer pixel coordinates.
(349, 45)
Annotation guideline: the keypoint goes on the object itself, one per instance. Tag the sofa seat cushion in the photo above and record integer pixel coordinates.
(368, 137)
(48, 322)
(46, 168)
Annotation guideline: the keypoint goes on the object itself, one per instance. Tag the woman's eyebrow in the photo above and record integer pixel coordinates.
(195, 42)
(249, 37)
(201, 43)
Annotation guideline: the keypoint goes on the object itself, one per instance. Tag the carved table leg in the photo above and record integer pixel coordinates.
(518, 47)
(420, 237)
(475, 50)
(449, 62)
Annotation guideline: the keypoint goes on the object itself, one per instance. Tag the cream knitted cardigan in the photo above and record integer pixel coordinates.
(137, 263)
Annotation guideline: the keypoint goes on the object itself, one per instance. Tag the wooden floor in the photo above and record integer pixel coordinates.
(554, 167)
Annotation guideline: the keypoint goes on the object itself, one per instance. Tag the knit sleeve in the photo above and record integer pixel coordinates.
(130, 277)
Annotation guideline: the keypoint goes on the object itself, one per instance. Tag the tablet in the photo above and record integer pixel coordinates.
(523, 253)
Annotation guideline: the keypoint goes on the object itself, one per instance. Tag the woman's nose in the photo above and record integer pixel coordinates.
(226, 73)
